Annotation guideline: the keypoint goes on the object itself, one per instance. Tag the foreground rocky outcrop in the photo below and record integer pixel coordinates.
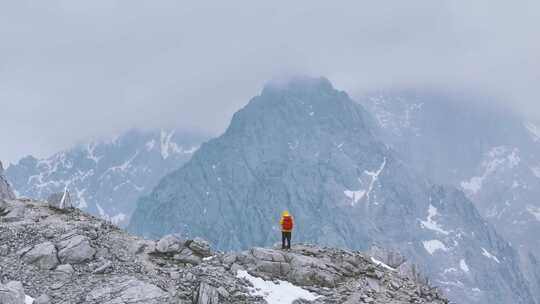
(5, 188)
(68, 256)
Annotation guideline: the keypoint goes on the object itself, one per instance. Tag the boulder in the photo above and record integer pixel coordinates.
(3, 207)
(42, 255)
(188, 257)
(64, 271)
(206, 294)
(391, 258)
(12, 293)
(60, 200)
(268, 254)
(15, 214)
(42, 299)
(169, 244)
(126, 289)
(200, 247)
(75, 249)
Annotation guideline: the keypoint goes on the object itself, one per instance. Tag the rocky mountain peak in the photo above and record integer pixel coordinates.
(301, 105)
(308, 148)
(69, 256)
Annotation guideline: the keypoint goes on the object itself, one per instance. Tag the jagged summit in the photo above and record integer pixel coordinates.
(69, 256)
(305, 102)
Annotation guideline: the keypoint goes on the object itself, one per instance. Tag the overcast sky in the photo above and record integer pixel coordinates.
(72, 70)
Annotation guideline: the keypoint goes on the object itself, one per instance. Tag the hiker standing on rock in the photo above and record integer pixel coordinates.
(286, 222)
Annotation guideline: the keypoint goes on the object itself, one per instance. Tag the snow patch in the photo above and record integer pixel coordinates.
(536, 171)
(463, 265)
(91, 148)
(150, 145)
(80, 198)
(169, 147)
(278, 292)
(430, 224)
(497, 158)
(28, 299)
(357, 195)
(488, 255)
(534, 211)
(434, 246)
(116, 219)
(379, 263)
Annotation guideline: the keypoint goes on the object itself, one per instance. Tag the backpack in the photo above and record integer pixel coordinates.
(287, 223)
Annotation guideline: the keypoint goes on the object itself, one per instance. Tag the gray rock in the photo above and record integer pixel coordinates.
(103, 268)
(3, 207)
(64, 271)
(187, 256)
(42, 299)
(12, 293)
(60, 200)
(170, 244)
(15, 214)
(126, 289)
(5, 188)
(206, 294)
(43, 255)
(75, 249)
(200, 247)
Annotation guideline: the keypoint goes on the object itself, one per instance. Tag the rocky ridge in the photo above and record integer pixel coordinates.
(51, 255)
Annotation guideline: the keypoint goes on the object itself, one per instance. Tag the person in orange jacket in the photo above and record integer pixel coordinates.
(287, 223)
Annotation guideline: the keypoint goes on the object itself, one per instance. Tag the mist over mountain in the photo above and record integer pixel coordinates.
(488, 151)
(306, 147)
(106, 177)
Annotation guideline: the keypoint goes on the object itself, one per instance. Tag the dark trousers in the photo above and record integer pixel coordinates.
(286, 236)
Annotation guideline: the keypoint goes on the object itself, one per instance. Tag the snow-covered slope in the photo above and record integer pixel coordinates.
(489, 152)
(106, 178)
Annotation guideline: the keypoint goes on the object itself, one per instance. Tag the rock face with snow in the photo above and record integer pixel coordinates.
(308, 148)
(60, 200)
(5, 188)
(488, 151)
(106, 178)
(127, 269)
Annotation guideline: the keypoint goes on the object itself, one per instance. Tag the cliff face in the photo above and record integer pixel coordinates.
(68, 256)
(5, 188)
(308, 148)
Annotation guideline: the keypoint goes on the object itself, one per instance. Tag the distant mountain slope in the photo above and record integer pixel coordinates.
(306, 147)
(486, 150)
(106, 178)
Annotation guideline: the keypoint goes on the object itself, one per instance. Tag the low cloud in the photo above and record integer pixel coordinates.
(72, 70)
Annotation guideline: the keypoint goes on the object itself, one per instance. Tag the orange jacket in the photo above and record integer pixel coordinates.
(281, 220)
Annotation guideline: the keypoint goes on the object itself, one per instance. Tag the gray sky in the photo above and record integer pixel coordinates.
(71, 70)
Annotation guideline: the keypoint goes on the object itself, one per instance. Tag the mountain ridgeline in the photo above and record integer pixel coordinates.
(306, 147)
(106, 177)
